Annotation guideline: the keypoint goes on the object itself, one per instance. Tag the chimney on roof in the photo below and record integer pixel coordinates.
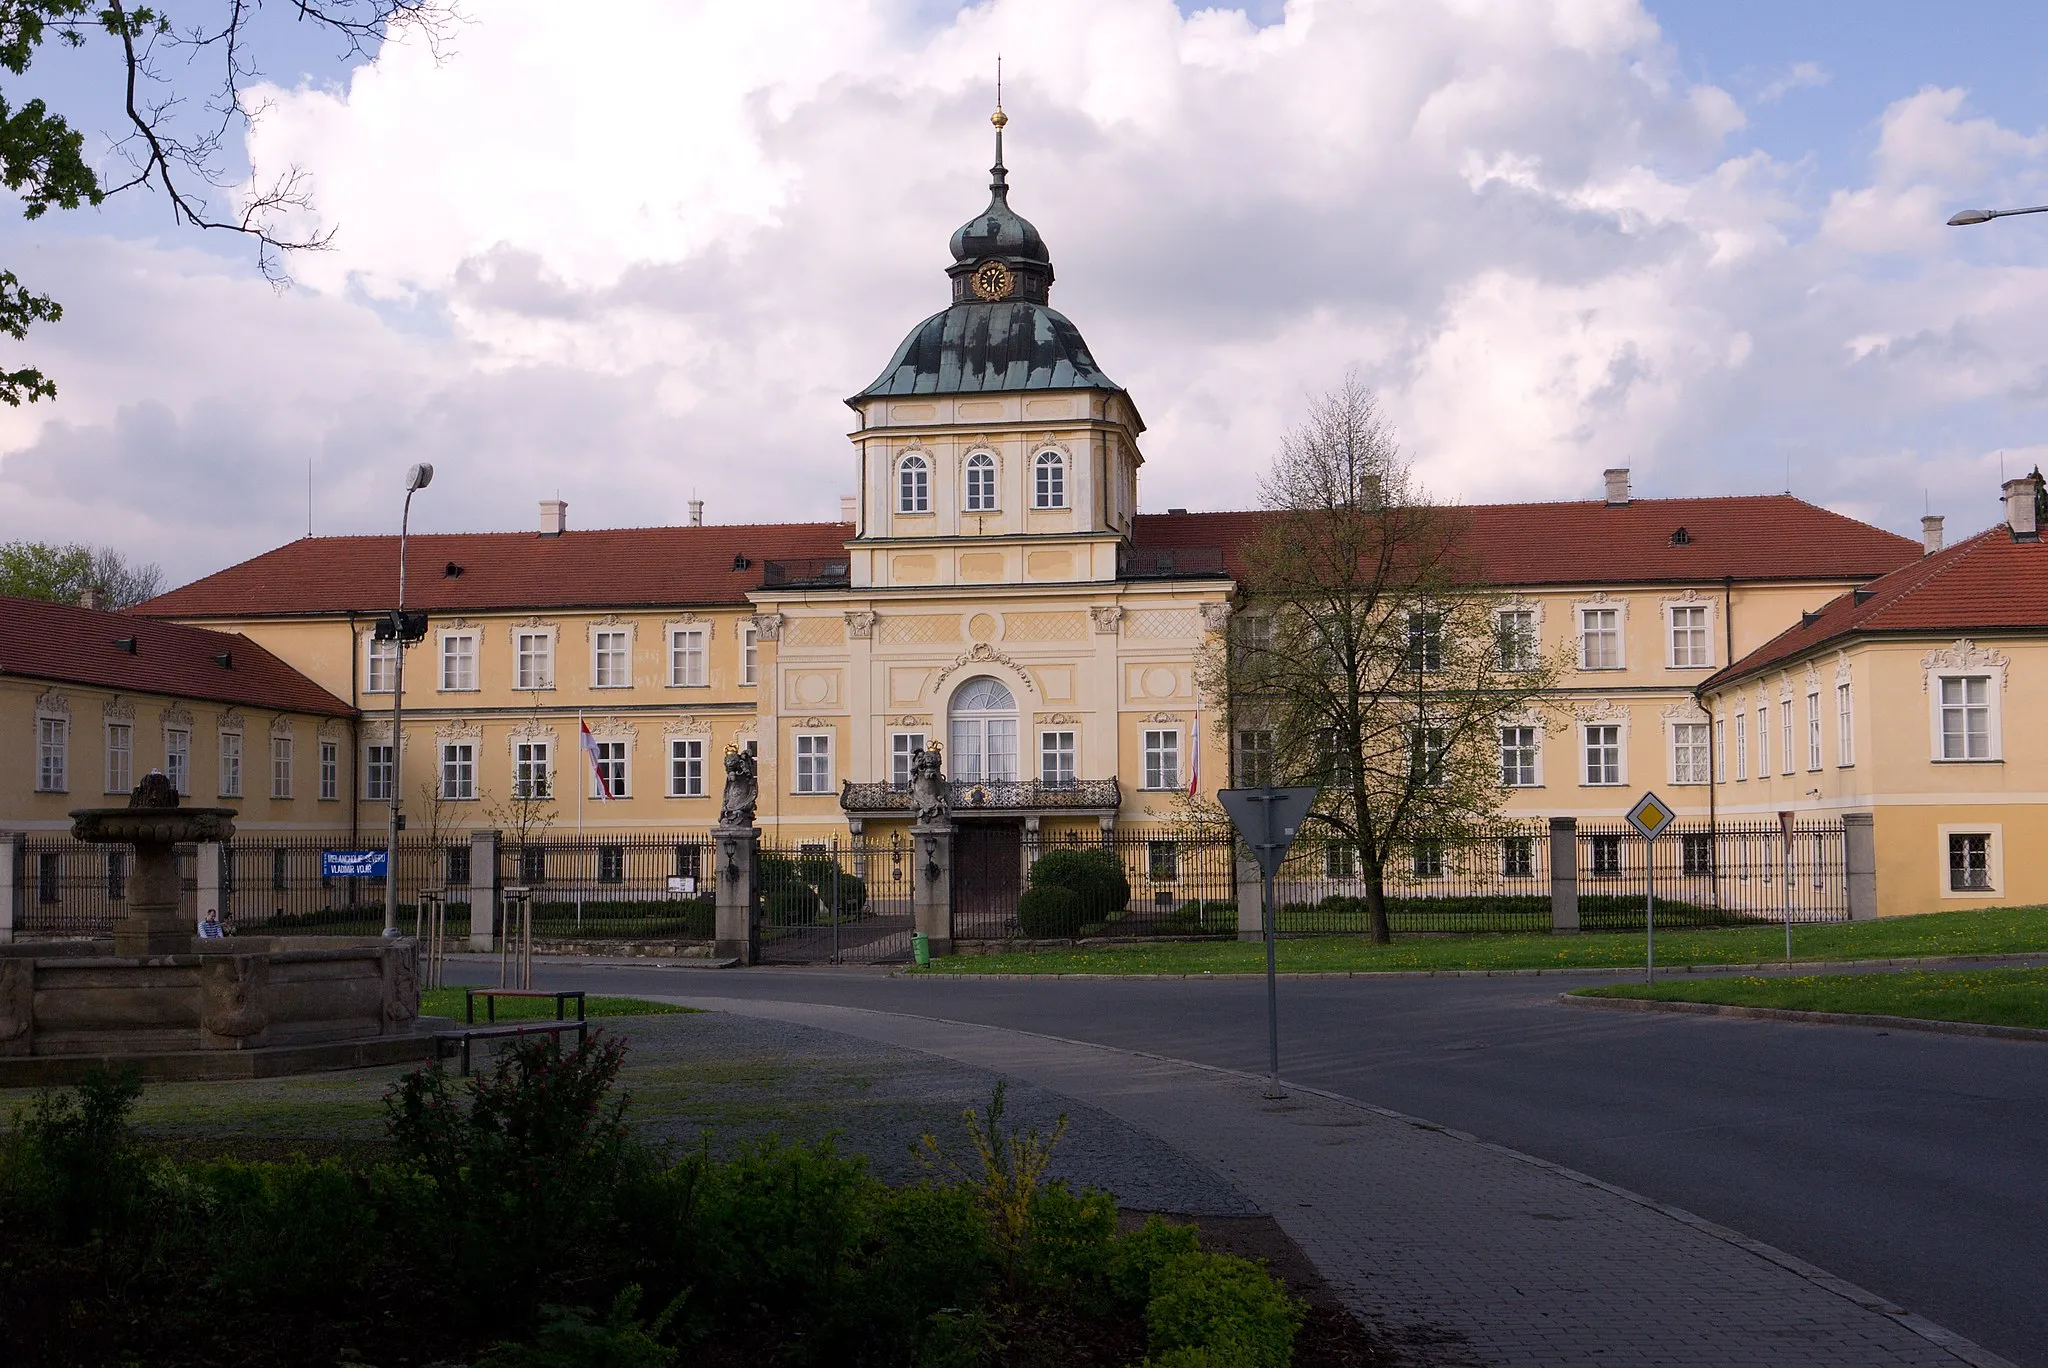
(696, 512)
(1617, 486)
(1930, 532)
(2019, 509)
(91, 597)
(554, 517)
(849, 507)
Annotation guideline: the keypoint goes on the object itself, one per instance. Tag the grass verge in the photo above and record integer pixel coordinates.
(1995, 931)
(447, 1002)
(1985, 997)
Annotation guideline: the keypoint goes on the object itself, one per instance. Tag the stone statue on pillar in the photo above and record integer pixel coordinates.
(930, 800)
(736, 845)
(742, 789)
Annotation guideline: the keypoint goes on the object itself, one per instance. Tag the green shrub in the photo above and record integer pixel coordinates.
(73, 1161)
(1049, 910)
(569, 1338)
(296, 1232)
(800, 892)
(1096, 875)
(1071, 1238)
(1225, 1307)
(694, 917)
(1136, 1256)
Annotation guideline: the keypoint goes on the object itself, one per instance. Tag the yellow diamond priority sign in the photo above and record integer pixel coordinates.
(1650, 816)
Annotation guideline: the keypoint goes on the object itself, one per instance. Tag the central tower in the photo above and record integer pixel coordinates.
(992, 449)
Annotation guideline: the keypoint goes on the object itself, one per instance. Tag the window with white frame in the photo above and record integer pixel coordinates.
(1162, 759)
(377, 776)
(280, 767)
(750, 653)
(1763, 741)
(1049, 480)
(1255, 757)
(814, 763)
(1785, 733)
(1056, 759)
(458, 661)
(1845, 725)
(380, 667)
(1518, 757)
(1688, 752)
(1813, 730)
(982, 729)
(1965, 717)
(1603, 753)
(1518, 857)
(330, 770)
(230, 764)
(533, 769)
(1600, 638)
(458, 770)
(903, 749)
(1514, 634)
(178, 758)
(53, 754)
(1340, 862)
(1426, 859)
(120, 757)
(981, 482)
(608, 766)
(1428, 749)
(1690, 645)
(1251, 636)
(1969, 862)
(1425, 642)
(913, 485)
(1741, 745)
(685, 767)
(1720, 750)
(533, 656)
(611, 659)
(686, 657)
(1606, 856)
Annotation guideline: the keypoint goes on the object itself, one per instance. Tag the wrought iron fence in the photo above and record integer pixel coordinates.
(75, 889)
(654, 887)
(837, 901)
(1724, 875)
(1496, 878)
(969, 796)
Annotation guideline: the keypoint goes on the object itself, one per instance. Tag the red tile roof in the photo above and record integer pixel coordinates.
(63, 644)
(1987, 583)
(1751, 537)
(616, 567)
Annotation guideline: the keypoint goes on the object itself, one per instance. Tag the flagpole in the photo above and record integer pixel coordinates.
(581, 784)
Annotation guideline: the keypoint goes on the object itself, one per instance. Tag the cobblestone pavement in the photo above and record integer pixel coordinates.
(1484, 1255)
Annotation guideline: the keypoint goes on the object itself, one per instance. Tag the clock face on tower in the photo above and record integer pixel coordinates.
(992, 280)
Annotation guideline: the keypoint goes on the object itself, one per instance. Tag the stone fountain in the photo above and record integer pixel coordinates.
(163, 1000)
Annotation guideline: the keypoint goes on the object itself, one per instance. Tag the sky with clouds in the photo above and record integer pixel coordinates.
(641, 260)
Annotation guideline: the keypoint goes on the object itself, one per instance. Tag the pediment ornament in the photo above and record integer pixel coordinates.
(686, 726)
(1685, 710)
(1601, 710)
(280, 725)
(459, 729)
(1964, 655)
(614, 729)
(1843, 673)
(231, 720)
(118, 709)
(51, 703)
(177, 715)
(984, 654)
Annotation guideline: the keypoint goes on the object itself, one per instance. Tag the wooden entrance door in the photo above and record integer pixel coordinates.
(988, 874)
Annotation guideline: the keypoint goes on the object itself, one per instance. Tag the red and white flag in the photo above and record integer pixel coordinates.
(1195, 758)
(604, 789)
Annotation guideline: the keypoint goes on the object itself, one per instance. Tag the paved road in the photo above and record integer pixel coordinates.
(1912, 1164)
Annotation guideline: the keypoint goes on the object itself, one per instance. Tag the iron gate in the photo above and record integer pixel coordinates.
(833, 902)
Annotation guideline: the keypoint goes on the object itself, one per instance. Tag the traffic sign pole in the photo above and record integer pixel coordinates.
(1650, 816)
(1268, 819)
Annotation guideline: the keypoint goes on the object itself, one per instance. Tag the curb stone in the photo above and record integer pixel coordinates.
(1798, 966)
(1729, 1009)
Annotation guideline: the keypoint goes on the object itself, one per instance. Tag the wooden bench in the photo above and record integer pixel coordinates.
(491, 996)
(463, 1036)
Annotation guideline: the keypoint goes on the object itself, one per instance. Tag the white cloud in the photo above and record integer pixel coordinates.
(633, 271)
(1798, 76)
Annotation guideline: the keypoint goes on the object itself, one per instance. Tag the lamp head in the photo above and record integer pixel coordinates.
(418, 478)
(1970, 216)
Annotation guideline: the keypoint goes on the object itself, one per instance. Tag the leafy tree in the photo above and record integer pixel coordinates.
(68, 574)
(182, 102)
(1367, 652)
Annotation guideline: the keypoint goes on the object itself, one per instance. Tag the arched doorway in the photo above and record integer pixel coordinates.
(988, 851)
(982, 737)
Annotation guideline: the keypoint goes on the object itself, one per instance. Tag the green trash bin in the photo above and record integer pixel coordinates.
(921, 949)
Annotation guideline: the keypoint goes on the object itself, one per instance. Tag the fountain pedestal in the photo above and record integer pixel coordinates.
(154, 825)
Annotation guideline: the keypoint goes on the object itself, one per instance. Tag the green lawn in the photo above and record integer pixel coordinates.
(1991, 997)
(1997, 931)
(447, 1002)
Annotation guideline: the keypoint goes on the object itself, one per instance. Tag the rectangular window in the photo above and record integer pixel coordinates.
(53, 754)
(280, 869)
(1255, 758)
(1162, 759)
(1741, 746)
(1689, 640)
(1969, 863)
(330, 770)
(1845, 726)
(380, 667)
(533, 865)
(814, 764)
(458, 770)
(280, 767)
(117, 875)
(1340, 862)
(1162, 861)
(1813, 730)
(685, 768)
(457, 865)
(1251, 636)
(611, 864)
(458, 661)
(1689, 752)
(1966, 718)
(377, 774)
(1696, 855)
(1603, 754)
(230, 764)
(608, 763)
(1425, 642)
(1056, 759)
(49, 877)
(1518, 757)
(1515, 639)
(534, 657)
(120, 757)
(1426, 859)
(1600, 638)
(686, 657)
(1051, 488)
(611, 660)
(1763, 742)
(1785, 735)
(178, 758)
(1428, 748)
(903, 748)
(689, 864)
(1518, 857)
(750, 653)
(1720, 750)
(1607, 856)
(533, 773)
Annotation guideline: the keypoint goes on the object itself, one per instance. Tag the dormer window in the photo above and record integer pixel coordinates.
(981, 482)
(1049, 487)
(914, 485)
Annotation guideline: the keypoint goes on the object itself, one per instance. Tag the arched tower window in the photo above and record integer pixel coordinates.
(914, 485)
(1050, 481)
(983, 731)
(981, 482)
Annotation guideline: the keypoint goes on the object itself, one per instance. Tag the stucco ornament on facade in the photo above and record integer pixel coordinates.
(1785, 687)
(51, 703)
(1844, 673)
(1964, 655)
(768, 626)
(459, 729)
(614, 729)
(231, 720)
(1107, 619)
(670, 624)
(530, 730)
(686, 725)
(1601, 710)
(118, 709)
(610, 622)
(984, 654)
(280, 725)
(177, 715)
(1054, 719)
(1215, 617)
(1685, 710)
(860, 624)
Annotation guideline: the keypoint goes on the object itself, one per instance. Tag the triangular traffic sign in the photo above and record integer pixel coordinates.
(1268, 819)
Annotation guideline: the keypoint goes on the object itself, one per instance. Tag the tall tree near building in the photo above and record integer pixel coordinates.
(98, 576)
(1368, 656)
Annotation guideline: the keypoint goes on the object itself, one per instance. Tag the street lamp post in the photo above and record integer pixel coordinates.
(416, 479)
(1969, 216)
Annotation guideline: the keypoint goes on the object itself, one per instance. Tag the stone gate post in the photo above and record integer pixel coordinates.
(1251, 887)
(1564, 874)
(1859, 863)
(13, 871)
(483, 892)
(736, 935)
(931, 883)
